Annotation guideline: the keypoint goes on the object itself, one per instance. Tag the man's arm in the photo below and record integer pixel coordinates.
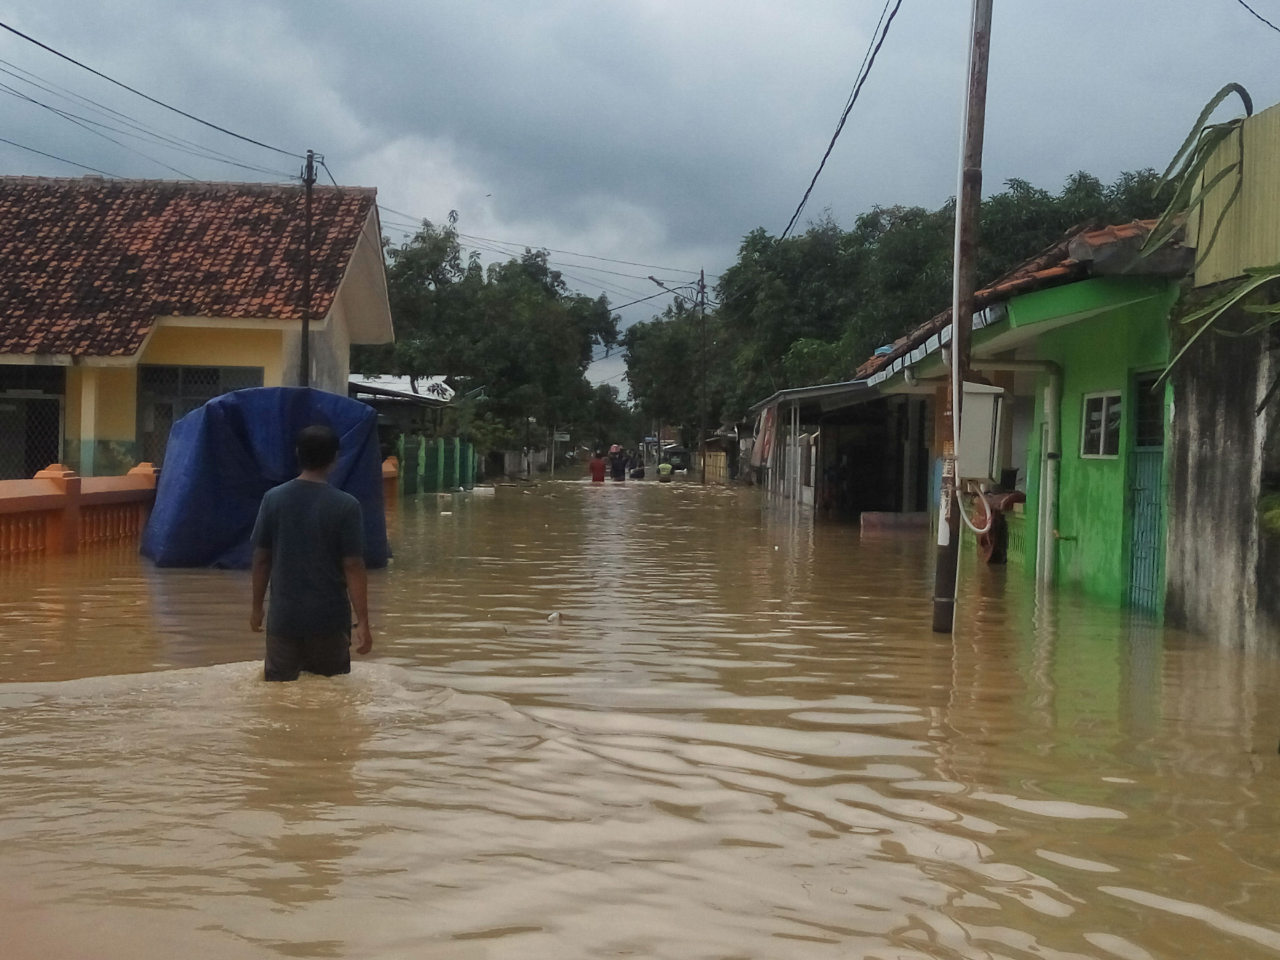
(261, 576)
(358, 590)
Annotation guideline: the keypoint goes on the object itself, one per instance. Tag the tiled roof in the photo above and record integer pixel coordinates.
(86, 265)
(1076, 256)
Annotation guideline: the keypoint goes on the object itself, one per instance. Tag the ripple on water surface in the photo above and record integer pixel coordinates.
(719, 749)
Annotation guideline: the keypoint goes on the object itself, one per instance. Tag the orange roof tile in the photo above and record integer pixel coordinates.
(86, 265)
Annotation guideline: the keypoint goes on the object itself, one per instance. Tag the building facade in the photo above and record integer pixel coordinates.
(124, 305)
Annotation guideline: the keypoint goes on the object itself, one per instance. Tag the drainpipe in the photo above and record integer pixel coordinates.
(1050, 456)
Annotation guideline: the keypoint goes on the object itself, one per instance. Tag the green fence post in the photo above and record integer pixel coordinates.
(400, 457)
(420, 466)
(440, 465)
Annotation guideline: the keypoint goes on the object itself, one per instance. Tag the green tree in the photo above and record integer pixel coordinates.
(811, 308)
(513, 329)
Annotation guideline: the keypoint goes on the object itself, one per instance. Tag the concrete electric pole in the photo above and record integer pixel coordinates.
(968, 210)
(308, 181)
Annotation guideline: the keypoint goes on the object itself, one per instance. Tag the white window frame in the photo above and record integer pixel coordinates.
(1084, 423)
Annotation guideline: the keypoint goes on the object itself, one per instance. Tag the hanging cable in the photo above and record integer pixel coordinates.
(571, 253)
(1258, 15)
(82, 166)
(136, 92)
(70, 118)
(991, 517)
(868, 63)
(144, 132)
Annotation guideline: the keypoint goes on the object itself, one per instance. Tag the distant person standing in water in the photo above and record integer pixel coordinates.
(597, 467)
(308, 544)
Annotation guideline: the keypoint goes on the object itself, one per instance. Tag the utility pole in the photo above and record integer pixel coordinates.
(308, 181)
(702, 400)
(968, 211)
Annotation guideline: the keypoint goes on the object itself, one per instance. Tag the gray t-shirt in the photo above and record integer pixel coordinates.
(310, 528)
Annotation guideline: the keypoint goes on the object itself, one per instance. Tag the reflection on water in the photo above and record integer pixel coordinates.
(740, 739)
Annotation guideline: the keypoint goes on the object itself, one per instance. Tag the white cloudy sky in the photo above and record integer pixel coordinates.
(652, 131)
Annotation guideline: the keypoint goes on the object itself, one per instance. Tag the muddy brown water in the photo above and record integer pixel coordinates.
(740, 740)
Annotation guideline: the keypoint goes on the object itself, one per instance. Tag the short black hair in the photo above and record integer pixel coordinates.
(317, 447)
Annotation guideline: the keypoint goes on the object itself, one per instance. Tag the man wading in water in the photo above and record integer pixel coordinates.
(309, 544)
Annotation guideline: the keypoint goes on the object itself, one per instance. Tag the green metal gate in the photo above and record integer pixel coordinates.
(1146, 498)
(1146, 565)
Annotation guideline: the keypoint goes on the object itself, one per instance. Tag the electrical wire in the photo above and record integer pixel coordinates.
(868, 62)
(160, 103)
(652, 296)
(571, 253)
(991, 516)
(82, 166)
(144, 132)
(1258, 15)
(589, 256)
(84, 124)
(483, 247)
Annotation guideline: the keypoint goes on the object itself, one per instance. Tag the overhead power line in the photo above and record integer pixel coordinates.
(136, 129)
(535, 246)
(867, 63)
(85, 124)
(82, 166)
(588, 256)
(1258, 15)
(160, 103)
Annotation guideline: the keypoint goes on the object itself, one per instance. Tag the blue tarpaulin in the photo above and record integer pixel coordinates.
(223, 457)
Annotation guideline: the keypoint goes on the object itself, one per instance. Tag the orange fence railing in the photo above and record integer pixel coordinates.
(57, 511)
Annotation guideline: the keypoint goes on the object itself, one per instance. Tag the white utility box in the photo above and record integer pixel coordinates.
(981, 421)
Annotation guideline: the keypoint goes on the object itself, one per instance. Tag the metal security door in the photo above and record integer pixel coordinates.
(1146, 497)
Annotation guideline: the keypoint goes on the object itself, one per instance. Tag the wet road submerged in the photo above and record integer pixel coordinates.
(740, 740)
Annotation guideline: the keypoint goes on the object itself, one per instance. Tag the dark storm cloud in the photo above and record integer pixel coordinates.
(644, 130)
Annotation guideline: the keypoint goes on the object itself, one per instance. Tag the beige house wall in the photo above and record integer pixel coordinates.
(218, 346)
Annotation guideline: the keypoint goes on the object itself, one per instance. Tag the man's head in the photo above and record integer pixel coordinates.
(317, 448)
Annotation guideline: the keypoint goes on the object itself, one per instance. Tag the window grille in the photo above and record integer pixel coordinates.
(1148, 413)
(30, 418)
(166, 394)
(1100, 431)
(30, 435)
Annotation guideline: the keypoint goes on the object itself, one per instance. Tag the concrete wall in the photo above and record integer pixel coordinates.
(114, 411)
(1223, 573)
(330, 355)
(218, 346)
(1101, 353)
(114, 408)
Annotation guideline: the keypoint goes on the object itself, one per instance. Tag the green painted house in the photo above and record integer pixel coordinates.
(1074, 340)
(1109, 337)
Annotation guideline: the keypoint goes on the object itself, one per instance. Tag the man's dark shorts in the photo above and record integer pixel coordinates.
(287, 658)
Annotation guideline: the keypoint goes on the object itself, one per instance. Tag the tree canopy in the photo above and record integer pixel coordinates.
(513, 329)
(811, 308)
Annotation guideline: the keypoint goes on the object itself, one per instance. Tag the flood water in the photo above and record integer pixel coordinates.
(740, 739)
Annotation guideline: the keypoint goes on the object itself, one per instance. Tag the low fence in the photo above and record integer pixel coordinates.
(56, 512)
(435, 466)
